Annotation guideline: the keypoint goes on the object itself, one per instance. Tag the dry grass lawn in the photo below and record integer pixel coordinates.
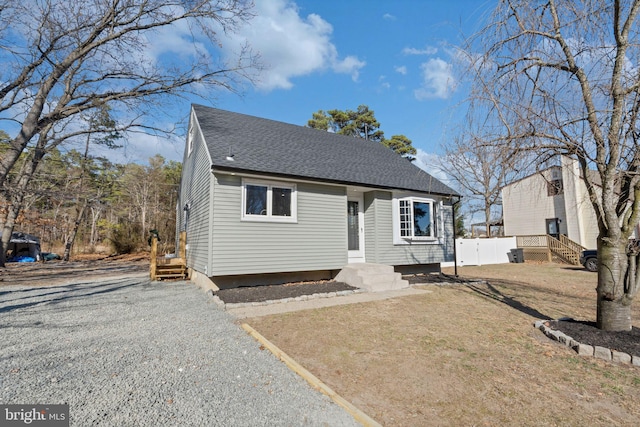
(465, 354)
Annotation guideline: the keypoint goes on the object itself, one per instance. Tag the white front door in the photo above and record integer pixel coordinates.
(355, 228)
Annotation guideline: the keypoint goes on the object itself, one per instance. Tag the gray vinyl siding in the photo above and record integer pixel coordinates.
(195, 190)
(179, 226)
(379, 236)
(317, 241)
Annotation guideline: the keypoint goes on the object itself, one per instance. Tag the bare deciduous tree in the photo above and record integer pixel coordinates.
(101, 122)
(62, 59)
(481, 170)
(563, 78)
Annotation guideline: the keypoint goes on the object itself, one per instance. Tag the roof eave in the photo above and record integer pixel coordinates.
(227, 169)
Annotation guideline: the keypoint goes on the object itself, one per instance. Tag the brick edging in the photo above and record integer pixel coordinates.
(584, 349)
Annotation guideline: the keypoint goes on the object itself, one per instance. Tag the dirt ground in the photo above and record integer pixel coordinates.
(465, 354)
(53, 273)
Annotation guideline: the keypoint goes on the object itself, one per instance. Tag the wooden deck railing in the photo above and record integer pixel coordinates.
(571, 244)
(543, 247)
(532, 241)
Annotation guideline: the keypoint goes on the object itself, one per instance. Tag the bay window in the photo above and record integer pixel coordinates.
(416, 219)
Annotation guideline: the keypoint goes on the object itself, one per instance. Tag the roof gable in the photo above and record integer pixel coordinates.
(266, 146)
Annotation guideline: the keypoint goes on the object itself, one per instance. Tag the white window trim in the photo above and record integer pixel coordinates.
(269, 217)
(190, 139)
(420, 240)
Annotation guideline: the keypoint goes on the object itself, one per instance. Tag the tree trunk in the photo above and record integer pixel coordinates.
(4, 245)
(74, 232)
(614, 306)
(95, 215)
(16, 199)
(487, 218)
(14, 207)
(614, 315)
(143, 223)
(7, 229)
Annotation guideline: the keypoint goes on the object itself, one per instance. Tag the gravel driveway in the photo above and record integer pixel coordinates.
(128, 352)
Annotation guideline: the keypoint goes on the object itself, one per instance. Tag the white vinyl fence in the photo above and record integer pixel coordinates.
(484, 251)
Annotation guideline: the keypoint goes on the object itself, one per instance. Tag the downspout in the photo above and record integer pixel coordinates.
(455, 251)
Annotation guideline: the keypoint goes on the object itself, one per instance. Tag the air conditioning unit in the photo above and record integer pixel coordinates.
(556, 173)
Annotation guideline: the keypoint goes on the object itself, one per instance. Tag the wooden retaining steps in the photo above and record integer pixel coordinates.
(170, 268)
(162, 268)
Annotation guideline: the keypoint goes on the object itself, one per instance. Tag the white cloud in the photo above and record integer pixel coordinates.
(384, 84)
(402, 70)
(438, 80)
(388, 17)
(349, 65)
(176, 39)
(290, 45)
(429, 50)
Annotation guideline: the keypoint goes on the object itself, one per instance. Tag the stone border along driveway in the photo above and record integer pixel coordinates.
(584, 349)
(126, 351)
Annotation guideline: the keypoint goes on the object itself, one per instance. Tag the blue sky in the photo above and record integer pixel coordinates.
(397, 57)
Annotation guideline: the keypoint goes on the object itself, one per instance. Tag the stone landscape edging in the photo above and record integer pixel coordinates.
(227, 306)
(586, 350)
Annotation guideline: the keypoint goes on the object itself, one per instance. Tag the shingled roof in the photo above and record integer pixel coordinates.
(275, 148)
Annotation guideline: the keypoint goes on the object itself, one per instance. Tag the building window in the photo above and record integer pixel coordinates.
(281, 198)
(268, 201)
(554, 187)
(190, 139)
(417, 219)
(255, 200)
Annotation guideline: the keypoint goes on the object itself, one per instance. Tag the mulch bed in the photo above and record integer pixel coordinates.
(587, 333)
(275, 292)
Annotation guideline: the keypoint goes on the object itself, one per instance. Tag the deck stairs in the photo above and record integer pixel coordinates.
(545, 247)
(170, 268)
(565, 249)
(175, 267)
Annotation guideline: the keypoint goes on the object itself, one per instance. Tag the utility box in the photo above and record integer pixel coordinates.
(518, 255)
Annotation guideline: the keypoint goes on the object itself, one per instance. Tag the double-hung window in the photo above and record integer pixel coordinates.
(417, 219)
(269, 201)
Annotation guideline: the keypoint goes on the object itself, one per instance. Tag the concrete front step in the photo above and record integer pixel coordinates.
(371, 277)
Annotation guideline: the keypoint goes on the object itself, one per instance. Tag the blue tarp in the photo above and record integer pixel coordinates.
(23, 247)
(21, 259)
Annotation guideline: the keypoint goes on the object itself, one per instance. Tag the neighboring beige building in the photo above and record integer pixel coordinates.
(554, 201)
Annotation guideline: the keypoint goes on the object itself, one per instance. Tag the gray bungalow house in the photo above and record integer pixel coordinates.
(261, 199)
